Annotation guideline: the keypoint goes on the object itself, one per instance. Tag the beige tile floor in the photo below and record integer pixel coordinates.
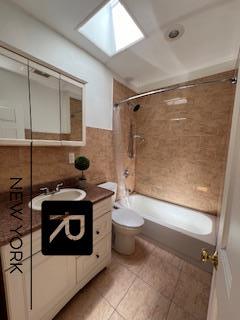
(152, 284)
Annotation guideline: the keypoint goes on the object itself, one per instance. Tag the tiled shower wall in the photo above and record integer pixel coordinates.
(186, 133)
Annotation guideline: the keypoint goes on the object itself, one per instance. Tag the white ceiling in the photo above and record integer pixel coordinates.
(209, 44)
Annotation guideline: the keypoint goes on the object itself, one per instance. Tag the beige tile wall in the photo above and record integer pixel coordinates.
(183, 157)
(51, 163)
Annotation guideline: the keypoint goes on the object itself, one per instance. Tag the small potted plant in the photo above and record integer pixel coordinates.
(82, 163)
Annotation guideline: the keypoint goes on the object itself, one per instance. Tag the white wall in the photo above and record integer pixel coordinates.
(25, 33)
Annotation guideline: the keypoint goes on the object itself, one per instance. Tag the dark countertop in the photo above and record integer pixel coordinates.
(7, 222)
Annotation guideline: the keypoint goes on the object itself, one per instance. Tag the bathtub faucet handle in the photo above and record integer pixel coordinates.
(126, 173)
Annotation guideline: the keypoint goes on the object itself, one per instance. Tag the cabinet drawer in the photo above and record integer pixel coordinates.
(102, 226)
(102, 207)
(87, 264)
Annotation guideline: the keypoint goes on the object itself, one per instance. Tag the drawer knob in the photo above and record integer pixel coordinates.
(97, 255)
(97, 232)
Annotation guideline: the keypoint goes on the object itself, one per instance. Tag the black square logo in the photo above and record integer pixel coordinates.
(67, 228)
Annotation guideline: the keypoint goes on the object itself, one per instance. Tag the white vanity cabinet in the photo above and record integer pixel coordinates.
(55, 279)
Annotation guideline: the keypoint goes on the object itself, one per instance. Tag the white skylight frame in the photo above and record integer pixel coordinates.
(112, 28)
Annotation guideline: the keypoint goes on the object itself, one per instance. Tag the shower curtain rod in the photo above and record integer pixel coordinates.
(233, 80)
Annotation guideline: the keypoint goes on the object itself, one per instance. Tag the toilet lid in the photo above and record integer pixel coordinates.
(127, 217)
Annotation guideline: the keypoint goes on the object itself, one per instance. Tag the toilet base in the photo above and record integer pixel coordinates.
(124, 238)
(124, 244)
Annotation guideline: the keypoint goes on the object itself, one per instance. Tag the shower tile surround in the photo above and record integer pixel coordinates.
(186, 133)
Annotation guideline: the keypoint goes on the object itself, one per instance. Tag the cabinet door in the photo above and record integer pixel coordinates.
(53, 277)
(57, 113)
(88, 264)
(45, 105)
(15, 123)
(73, 129)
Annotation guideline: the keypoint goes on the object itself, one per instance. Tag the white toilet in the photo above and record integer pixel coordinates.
(126, 224)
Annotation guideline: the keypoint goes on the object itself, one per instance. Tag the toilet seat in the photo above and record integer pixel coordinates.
(127, 218)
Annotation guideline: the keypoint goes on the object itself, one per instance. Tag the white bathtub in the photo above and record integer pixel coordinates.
(183, 230)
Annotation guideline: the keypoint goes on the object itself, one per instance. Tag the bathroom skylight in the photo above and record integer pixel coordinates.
(112, 29)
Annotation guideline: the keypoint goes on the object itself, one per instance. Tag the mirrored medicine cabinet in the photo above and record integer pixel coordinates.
(39, 104)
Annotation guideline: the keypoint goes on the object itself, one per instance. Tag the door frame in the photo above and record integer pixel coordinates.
(224, 218)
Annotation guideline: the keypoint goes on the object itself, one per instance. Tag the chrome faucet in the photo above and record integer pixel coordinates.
(126, 173)
(59, 186)
(46, 190)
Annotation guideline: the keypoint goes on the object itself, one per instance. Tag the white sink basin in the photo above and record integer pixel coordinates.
(63, 194)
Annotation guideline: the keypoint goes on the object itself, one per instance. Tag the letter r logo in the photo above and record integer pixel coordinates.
(65, 224)
(67, 228)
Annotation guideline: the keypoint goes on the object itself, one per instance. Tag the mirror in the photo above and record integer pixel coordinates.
(39, 104)
(14, 98)
(45, 103)
(71, 109)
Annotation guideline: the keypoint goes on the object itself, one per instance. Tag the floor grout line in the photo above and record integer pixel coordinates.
(128, 268)
(125, 296)
(175, 289)
(149, 284)
(99, 292)
(111, 314)
(180, 306)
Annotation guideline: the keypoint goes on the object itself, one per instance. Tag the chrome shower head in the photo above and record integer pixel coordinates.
(234, 80)
(135, 107)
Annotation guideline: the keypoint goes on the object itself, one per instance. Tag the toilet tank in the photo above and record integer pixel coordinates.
(112, 186)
